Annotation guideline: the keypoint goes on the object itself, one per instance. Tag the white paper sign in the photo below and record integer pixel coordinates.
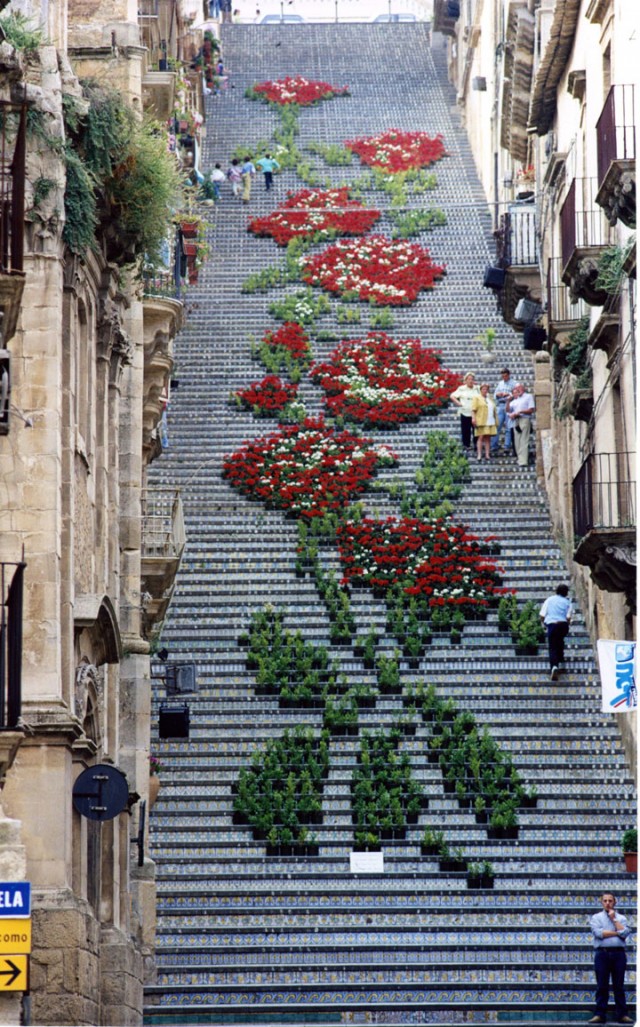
(367, 863)
(617, 662)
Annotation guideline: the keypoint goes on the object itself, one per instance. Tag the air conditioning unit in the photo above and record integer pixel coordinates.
(527, 311)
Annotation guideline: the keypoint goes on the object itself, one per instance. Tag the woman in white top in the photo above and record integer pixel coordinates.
(462, 397)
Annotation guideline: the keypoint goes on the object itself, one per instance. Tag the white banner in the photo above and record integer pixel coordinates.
(617, 662)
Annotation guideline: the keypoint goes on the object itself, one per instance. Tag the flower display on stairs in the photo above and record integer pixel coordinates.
(295, 89)
(441, 561)
(268, 397)
(307, 469)
(381, 381)
(395, 150)
(317, 214)
(386, 272)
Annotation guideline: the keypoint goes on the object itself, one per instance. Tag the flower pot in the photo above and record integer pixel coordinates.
(526, 650)
(502, 832)
(189, 229)
(483, 881)
(154, 788)
(488, 358)
(452, 866)
(631, 862)
(493, 277)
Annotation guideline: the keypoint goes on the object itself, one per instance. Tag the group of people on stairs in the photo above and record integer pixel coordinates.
(511, 406)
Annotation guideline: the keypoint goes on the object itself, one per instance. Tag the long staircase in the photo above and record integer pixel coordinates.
(246, 938)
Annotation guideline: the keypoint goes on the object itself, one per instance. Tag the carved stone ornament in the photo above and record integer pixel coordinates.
(582, 285)
(113, 341)
(87, 675)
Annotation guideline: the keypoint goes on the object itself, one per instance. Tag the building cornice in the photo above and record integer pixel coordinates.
(553, 66)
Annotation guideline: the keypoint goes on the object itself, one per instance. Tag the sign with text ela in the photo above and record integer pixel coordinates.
(617, 662)
(14, 973)
(15, 898)
(15, 936)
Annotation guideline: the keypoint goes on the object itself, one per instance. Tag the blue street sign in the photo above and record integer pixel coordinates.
(15, 898)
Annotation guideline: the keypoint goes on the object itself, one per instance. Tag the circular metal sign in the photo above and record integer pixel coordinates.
(101, 792)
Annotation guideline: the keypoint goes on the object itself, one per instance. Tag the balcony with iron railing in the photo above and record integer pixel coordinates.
(12, 184)
(584, 234)
(163, 542)
(616, 138)
(564, 312)
(517, 250)
(604, 521)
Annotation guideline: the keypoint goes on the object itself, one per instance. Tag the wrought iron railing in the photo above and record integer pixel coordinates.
(517, 241)
(615, 129)
(11, 588)
(560, 307)
(163, 532)
(12, 179)
(167, 281)
(604, 493)
(583, 224)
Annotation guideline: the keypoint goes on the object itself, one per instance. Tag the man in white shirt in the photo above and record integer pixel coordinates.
(556, 613)
(520, 411)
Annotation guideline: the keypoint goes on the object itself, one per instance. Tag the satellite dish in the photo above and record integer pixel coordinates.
(101, 792)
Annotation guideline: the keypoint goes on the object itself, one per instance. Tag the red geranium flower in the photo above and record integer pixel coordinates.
(296, 89)
(376, 269)
(291, 337)
(382, 381)
(313, 213)
(395, 151)
(441, 561)
(268, 396)
(306, 468)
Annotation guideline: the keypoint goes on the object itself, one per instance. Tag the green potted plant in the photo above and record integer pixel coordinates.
(630, 849)
(487, 340)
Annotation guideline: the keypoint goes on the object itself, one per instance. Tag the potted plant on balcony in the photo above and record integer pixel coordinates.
(630, 850)
(526, 180)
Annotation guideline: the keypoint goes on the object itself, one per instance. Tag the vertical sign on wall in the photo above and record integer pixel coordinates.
(617, 662)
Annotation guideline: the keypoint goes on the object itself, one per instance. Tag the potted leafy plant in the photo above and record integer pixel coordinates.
(480, 875)
(487, 339)
(630, 850)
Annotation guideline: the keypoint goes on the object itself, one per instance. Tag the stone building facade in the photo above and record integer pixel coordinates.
(546, 90)
(88, 361)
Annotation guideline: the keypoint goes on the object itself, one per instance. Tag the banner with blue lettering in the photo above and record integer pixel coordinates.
(617, 662)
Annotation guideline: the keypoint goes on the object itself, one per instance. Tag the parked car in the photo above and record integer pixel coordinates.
(396, 17)
(272, 19)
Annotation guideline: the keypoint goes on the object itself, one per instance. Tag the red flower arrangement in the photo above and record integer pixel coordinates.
(312, 212)
(387, 272)
(291, 338)
(395, 151)
(307, 469)
(295, 89)
(440, 561)
(267, 397)
(382, 381)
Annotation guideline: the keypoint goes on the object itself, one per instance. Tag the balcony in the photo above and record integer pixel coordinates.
(517, 253)
(517, 79)
(616, 138)
(162, 319)
(12, 179)
(585, 233)
(445, 16)
(606, 331)
(563, 313)
(163, 541)
(604, 521)
(11, 593)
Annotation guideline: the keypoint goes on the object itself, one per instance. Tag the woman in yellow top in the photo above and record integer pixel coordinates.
(484, 420)
(462, 398)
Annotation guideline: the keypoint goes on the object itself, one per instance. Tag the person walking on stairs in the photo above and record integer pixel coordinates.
(248, 172)
(520, 411)
(610, 932)
(234, 174)
(268, 164)
(483, 419)
(556, 613)
(462, 398)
